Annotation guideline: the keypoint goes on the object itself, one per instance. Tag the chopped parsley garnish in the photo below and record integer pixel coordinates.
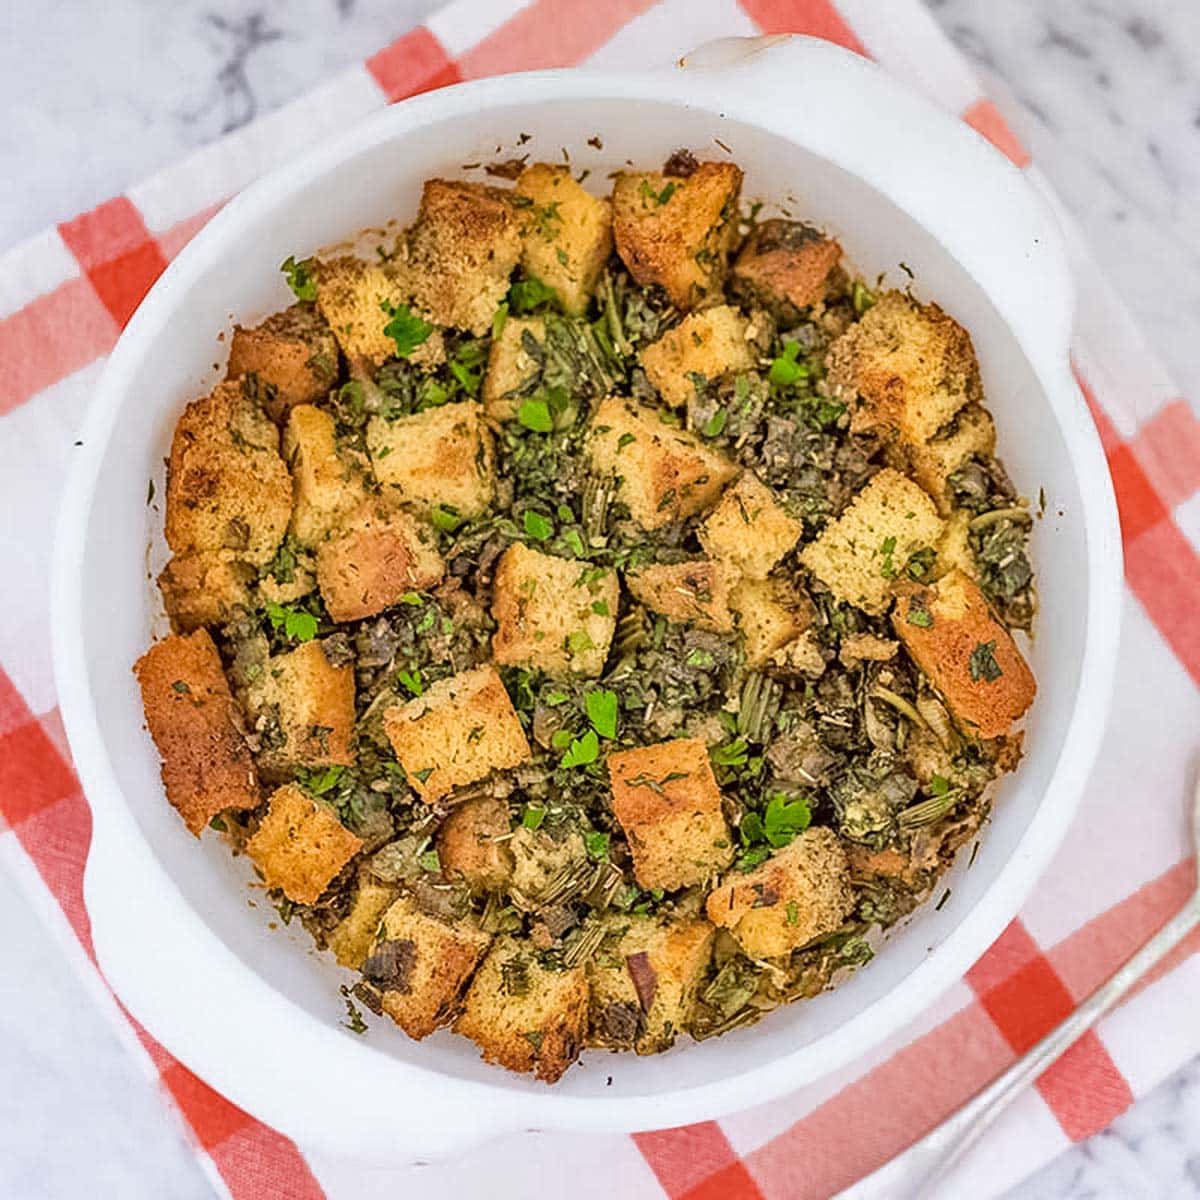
(412, 681)
(317, 783)
(533, 816)
(581, 751)
(527, 294)
(405, 328)
(983, 664)
(597, 845)
(602, 709)
(653, 199)
(300, 277)
(297, 624)
(716, 423)
(430, 861)
(918, 613)
(535, 414)
(785, 370)
(888, 568)
(536, 526)
(445, 518)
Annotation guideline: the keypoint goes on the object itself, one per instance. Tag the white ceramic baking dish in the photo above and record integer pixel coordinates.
(257, 1013)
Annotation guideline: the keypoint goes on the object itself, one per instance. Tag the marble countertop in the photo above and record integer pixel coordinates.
(96, 96)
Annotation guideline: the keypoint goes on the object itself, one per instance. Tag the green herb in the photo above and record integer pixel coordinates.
(918, 614)
(698, 658)
(500, 319)
(716, 423)
(785, 370)
(579, 641)
(297, 624)
(445, 518)
(527, 294)
(467, 365)
(299, 277)
(218, 823)
(888, 569)
(181, 687)
(597, 845)
(317, 783)
(150, 491)
(600, 608)
(793, 912)
(651, 198)
(582, 751)
(862, 297)
(919, 563)
(535, 414)
(411, 598)
(786, 815)
(405, 328)
(533, 817)
(412, 681)
(575, 544)
(602, 707)
(430, 861)
(355, 1024)
(560, 739)
(939, 785)
(731, 754)
(626, 439)
(536, 526)
(983, 664)
(426, 622)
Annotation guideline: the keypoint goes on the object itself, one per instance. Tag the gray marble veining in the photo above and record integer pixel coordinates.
(96, 96)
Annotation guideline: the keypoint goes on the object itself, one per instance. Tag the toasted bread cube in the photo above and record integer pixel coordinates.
(954, 550)
(514, 365)
(300, 845)
(460, 731)
(664, 474)
(566, 234)
(293, 352)
(523, 1015)
(304, 707)
(749, 528)
(800, 893)
(785, 265)
(909, 366)
(227, 486)
(770, 615)
(205, 588)
(473, 844)
(971, 432)
(676, 232)
(643, 980)
(355, 933)
(356, 298)
(688, 593)
(966, 654)
(421, 964)
(711, 343)
(460, 253)
(541, 857)
(442, 456)
(551, 613)
(325, 483)
(859, 555)
(373, 557)
(197, 728)
(666, 798)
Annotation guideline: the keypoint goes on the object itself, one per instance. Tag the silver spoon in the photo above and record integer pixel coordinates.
(917, 1173)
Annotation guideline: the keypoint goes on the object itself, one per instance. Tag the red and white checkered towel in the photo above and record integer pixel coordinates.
(64, 297)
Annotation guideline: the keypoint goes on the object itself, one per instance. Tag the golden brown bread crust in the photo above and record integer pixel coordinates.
(510, 365)
(749, 528)
(205, 588)
(711, 343)
(473, 844)
(667, 801)
(422, 964)
(688, 593)
(354, 934)
(770, 613)
(326, 483)
(785, 263)
(458, 732)
(227, 486)
(293, 352)
(961, 649)
(197, 727)
(373, 558)
(300, 845)
(460, 252)
(800, 893)
(541, 1029)
(681, 242)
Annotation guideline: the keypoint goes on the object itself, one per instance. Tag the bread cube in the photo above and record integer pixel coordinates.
(971, 432)
(954, 550)
(966, 654)
(800, 893)
(664, 473)
(300, 845)
(325, 483)
(442, 456)
(293, 352)
(421, 964)
(372, 558)
(524, 1015)
(785, 265)
(541, 858)
(566, 234)
(666, 798)
(688, 593)
(905, 367)
(711, 343)
(460, 253)
(460, 731)
(512, 364)
(859, 555)
(676, 232)
(643, 980)
(227, 486)
(769, 614)
(551, 614)
(197, 728)
(472, 844)
(205, 588)
(749, 529)
(303, 708)
(355, 933)
(356, 298)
